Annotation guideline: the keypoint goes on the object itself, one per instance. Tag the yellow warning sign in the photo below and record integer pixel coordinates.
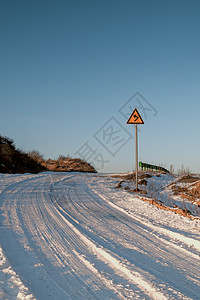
(135, 118)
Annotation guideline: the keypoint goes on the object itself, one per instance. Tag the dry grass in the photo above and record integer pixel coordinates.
(68, 165)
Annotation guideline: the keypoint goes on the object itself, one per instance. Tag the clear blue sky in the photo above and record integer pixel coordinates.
(68, 68)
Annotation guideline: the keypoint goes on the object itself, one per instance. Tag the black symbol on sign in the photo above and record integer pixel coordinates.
(136, 117)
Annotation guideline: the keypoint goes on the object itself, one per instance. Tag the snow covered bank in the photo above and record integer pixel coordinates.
(167, 191)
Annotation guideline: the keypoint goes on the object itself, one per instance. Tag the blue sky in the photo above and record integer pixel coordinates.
(68, 67)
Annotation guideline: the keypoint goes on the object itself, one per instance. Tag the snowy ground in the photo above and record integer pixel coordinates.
(74, 236)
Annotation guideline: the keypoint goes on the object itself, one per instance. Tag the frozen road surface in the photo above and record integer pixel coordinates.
(74, 236)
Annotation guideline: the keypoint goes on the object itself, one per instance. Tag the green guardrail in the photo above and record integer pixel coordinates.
(148, 167)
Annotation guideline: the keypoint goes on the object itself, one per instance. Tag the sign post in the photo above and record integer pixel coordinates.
(136, 159)
(136, 119)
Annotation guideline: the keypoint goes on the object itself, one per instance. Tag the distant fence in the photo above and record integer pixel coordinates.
(148, 167)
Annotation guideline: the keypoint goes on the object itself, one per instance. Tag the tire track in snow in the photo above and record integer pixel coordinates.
(26, 251)
(96, 272)
(80, 192)
(135, 277)
(86, 262)
(189, 241)
(42, 215)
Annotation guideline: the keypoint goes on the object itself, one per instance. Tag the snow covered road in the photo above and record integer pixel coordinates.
(74, 236)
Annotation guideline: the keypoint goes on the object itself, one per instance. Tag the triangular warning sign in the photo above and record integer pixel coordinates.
(135, 118)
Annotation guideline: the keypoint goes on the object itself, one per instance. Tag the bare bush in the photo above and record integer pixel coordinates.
(61, 157)
(36, 155)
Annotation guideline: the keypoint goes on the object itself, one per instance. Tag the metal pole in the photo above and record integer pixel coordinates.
(136, 158)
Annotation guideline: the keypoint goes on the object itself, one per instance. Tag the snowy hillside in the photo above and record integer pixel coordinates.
(75, 236)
